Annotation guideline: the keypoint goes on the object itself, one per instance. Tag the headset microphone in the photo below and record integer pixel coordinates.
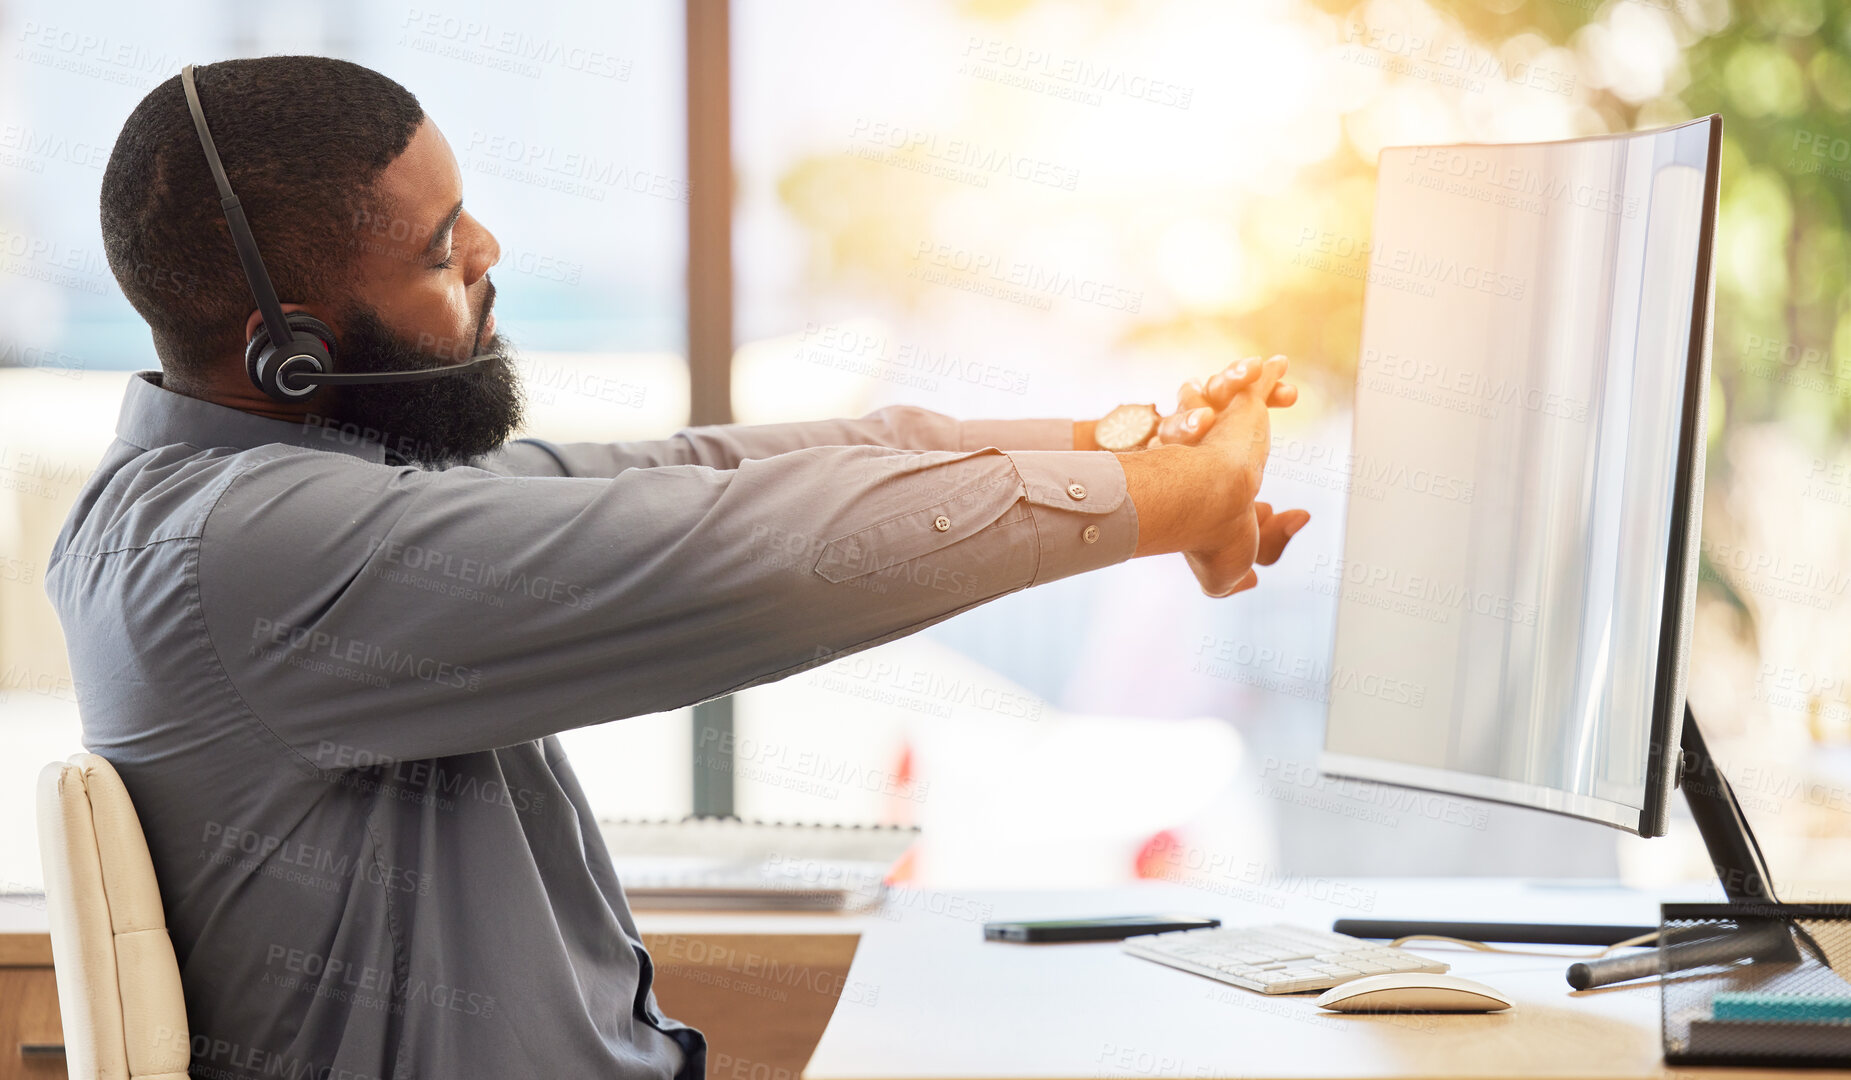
(290, 356)
(368, 378)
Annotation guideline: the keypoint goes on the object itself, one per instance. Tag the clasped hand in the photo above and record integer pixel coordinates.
(1224, 425)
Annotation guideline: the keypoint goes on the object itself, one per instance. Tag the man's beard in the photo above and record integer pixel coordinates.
(435, 423)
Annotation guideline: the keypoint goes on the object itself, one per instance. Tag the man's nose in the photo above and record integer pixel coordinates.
(490, 254)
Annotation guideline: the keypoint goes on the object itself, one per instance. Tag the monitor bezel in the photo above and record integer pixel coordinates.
(1664, 757)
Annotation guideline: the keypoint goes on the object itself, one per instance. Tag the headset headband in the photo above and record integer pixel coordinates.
(254, 271)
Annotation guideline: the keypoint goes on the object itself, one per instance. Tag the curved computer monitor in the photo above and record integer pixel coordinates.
(1520, 549)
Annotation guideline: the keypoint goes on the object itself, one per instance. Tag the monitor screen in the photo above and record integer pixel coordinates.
(1520, 546)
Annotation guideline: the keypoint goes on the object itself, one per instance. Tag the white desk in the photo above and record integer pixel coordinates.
(925, 996)
(947, 1004)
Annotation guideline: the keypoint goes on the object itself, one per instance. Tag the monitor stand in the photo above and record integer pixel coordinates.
(1731, 843)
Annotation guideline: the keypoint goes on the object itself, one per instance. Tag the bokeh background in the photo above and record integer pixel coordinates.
(1159, 181)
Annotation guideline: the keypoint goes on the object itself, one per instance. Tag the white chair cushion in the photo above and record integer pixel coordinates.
(119, 985)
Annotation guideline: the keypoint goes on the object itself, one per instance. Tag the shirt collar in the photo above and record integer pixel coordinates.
(154, 416)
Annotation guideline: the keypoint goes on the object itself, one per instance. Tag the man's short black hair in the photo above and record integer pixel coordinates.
(303, 140)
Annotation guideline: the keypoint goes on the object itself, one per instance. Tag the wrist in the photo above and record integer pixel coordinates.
(1083, 435)
(1182, 495)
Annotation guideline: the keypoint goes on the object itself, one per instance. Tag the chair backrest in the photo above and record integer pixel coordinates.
(118, 983)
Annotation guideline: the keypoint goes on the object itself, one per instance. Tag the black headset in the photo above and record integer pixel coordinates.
(304, 361)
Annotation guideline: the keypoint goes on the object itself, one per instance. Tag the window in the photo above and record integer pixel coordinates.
(1026, 208)
(568, 125)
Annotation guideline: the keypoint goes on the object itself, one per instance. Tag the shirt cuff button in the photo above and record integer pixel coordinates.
(942, 523)
(1078, 491)
(1091, 535)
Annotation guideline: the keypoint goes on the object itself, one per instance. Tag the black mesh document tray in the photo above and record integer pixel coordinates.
(1756, 984)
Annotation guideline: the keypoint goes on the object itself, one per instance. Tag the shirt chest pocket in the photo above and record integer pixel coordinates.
(933, 527)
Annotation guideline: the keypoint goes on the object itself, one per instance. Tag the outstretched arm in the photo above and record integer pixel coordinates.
(454, 611)
(725, 446)
(900, 427)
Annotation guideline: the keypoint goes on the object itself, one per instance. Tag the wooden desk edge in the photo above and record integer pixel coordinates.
(25, 950)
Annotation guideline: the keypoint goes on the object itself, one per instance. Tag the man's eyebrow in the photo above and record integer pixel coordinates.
(443, 230)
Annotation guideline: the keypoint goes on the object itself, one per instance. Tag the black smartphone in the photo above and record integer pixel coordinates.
(1106, 928)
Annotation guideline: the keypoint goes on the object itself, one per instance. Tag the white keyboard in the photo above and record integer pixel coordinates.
(1275, 959)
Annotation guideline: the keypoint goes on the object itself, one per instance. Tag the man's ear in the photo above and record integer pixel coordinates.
(257, 319)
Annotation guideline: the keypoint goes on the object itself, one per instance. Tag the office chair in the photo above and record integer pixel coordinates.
(118, 982)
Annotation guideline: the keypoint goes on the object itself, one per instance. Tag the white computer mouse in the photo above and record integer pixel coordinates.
(1413, 992)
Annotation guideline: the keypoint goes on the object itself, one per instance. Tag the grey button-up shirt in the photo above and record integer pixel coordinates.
(331, 683)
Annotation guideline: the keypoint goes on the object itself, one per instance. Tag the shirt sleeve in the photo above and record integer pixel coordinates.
(724, 446)
(364, 612)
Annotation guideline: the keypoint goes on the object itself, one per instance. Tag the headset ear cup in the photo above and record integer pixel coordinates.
(309, 350)
(301, 324)
(253, 352)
